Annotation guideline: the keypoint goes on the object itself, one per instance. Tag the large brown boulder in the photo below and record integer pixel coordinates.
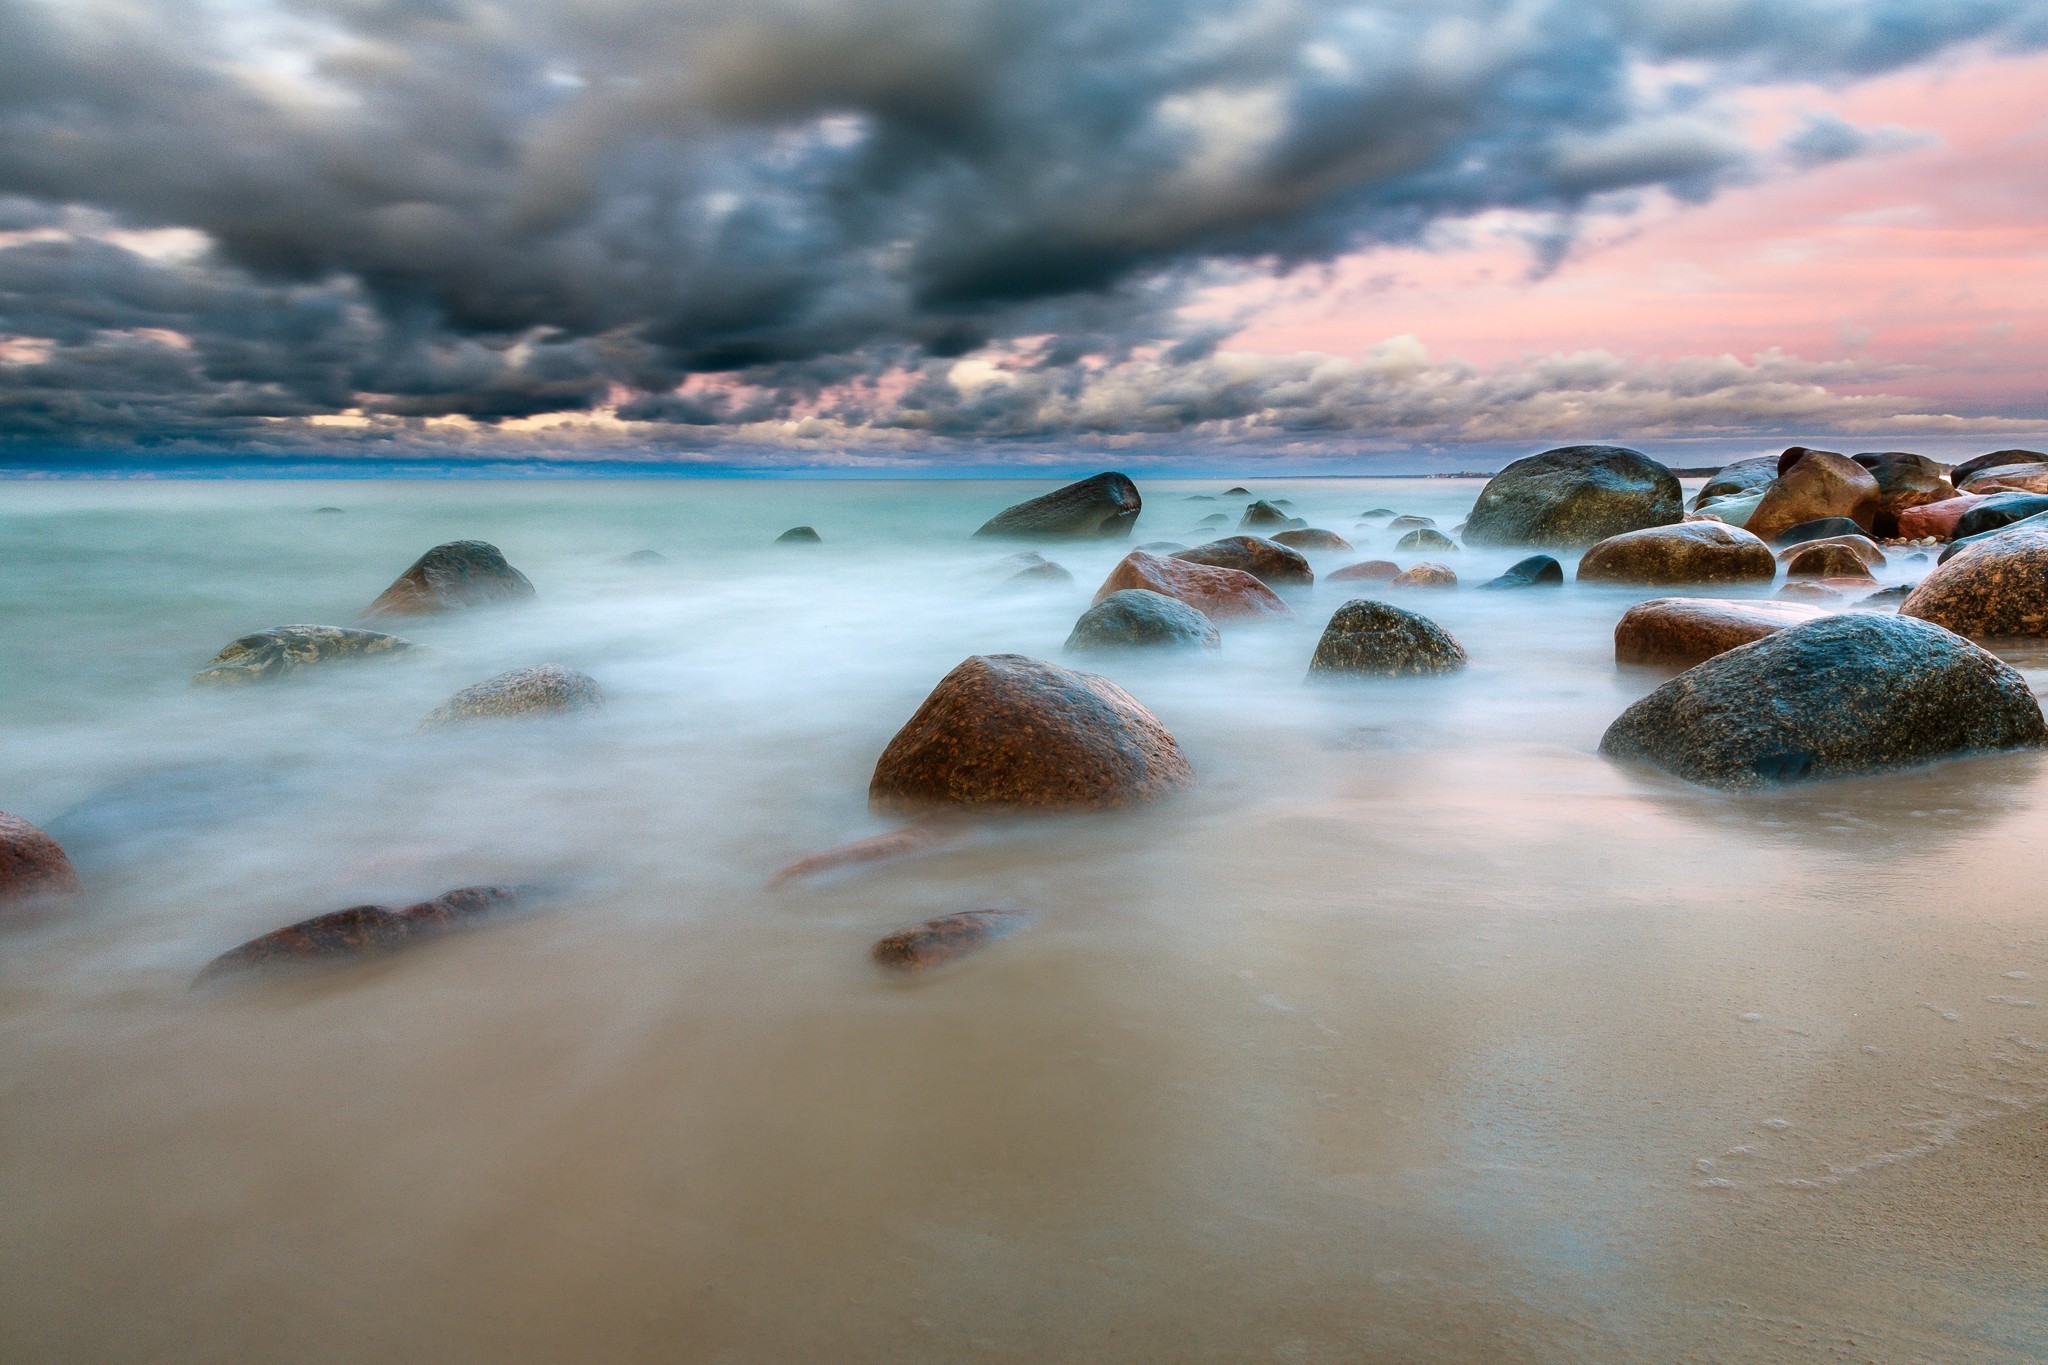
(1219, 594)
(1105, 507)
(1969, 469)
(1678, 632)
(32, 866)
(462, 573)
(1274, 565)
(1744, 476)
(1937, 519)
(1819, 483)
(1829, 559)
(1997, 586)
(1903, 480)
(1572, 496)
(1312, 538)
(1692, 552)
(2015, 478)
(1006, 731)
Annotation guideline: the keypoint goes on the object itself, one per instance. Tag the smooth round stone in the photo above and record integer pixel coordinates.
(1312, 538)
(1271, 563)
(1425, 575)
(1574, 496)
(1691, 552)
(1373, 639)
(1826, 559)
(1104, 507)
(1823, 528)
(1678, 632)
(1425, 538)
(1813, 485)
(1218, 593)
(1537, 571)
(1137, 618)
(1366, 571)
(799, 535)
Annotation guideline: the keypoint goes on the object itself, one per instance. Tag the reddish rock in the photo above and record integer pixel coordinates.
(1997, 586)
(1271, 563)
(1904, 480)
(1688, 552)
(1006, 731)
(1829, 559)
(1425, 575)
(1678, 632)
(1937, 519)
(32, 866)
(945, 939)
(1369, 571)
(361, 929)
(876, 848)
(1817, 484)
(1794, 454)
(462, 573)
(2016, 478)
(1806, 590)
(1219, 594)
(1866, 551)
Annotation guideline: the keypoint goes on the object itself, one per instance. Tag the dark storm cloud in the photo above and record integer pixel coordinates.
(427, 208)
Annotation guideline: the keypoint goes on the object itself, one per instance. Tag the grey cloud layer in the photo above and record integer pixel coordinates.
(495, 210)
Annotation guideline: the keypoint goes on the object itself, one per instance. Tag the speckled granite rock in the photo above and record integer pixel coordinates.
(1997, 586)
(1997, 511)
(1272, 564)
(284, 650)
(32, 866)
(1853, 693)
(1007, 731)
(1137, 618)
(1537, 571)
(1103, 507)
(1425, 575)
(1372, 639)
(1573, 496)
(360, 929)
(1424, 538)
(1692, 552)
(1678, 632)
(1818, 484)
(1365, 571)
(462, 573)
(800, 535)
(1312, 538)
(543, 690)
(945, 939)
(1219, 594)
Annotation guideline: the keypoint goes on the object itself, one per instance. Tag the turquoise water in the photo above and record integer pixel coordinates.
(1405, 1034)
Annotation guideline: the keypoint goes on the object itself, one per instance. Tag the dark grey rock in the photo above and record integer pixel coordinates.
(1574, 496)
(1371, 639)
(1997, 459)
(1955, 547)
(643, 559)
(1263, 514)
(1103, 507)
(799, 535)
(1744, 476)
(1137, 618)
(283, 651)
(1852, 693)
(1537, 571)
(459, 574)
(1820, 528)
(1999, 511)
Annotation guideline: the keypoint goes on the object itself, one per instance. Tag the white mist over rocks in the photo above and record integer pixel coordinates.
(1413, 1030)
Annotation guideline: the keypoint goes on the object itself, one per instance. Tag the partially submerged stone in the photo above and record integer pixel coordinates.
(1311, 538)
(1425, 575)
(1424, 538)
(461, 573)
(1103, 507)
(1574, 496)
(1862, 549)
(360, 930)
(1678, 632)
(1365, 571)
(2014, 478)
(800, 535)
(1743, 477)
(1373, 639)
(1003, 731)
(1272, 564)
(1537, 571)
(1970, 469)
(945, 939)
(1137, 618)
(1996, 587)
(1829, 559)
(1820, 528)
(1816, 484)
(1261, 515)
(1691, 552)
(32, 866)
(1996, 511)
(1847, 694)
(282, 651)
(543, 690)
(1937, 519)
(1219, 594)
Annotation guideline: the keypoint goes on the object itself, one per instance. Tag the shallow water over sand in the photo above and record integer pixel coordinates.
(1415, 1030)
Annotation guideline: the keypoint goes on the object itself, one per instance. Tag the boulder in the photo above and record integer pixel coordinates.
(1744, 476)
(1137, 618)
(1824, 528)
(799, 535)
(1214, 519)
(1853, 693)
(1998, 511)
(1274, 565)
(1237, 492)
(361, 929)
(1903, 480)
(1866, 550)
(1219, 594)
(543, 690)
(1808, 590)
(283, 651)
(32, 866)
(945, 939)
(1937, 519)
(1829, 559)
(1309, 538)
(1678, 632)
(1366, 571)
(1006, 731)
(1537, 571)
(1996, 587)
(1794, 454)
(1425, 575)
(1574, 496)
(1692, 552)
(1372, 639)
(1103, 507)
(461, 573)
(2009, 478)
(1374, 514)
(1039, 575)
(1814, 485)
(1262, 514)
(1969, 469)
(1962, 543)
(1888, 597)
(1734, 508)
(1425, 538)
(642, 559)
(1411, 523)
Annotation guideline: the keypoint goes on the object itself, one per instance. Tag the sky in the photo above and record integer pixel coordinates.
(892, 235)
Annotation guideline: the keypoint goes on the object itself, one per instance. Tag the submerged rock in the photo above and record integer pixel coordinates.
(1425, 575)
(2012, 478)
(1137, 618)
(1537, 571)
(1270, 563)
(1814, 485)
(1311, 538)
(800, 535)
(1678, 632)
(642, 559)
(1263, 514)
(1821, 528)
(1375, 513)
(1846, 694)
(1412, 523)
(283, 651)
(1006, 731)
(1425, 538)
(1996, 587)
(1103, 507)
(461, 573)
(1365, 571)
(1372, 639)
(1862, 548)
(948, 938)
(1691, 552)
(1574, 496)
(543, 690)
(361, 929)
(1046, 574)
(1219, 594)
(32, 866)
